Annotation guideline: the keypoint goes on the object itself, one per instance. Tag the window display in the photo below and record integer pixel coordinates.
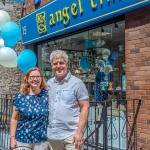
(96, 56)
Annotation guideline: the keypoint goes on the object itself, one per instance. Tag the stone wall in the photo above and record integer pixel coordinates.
(137, 40)
(29, 6)
(10, 77)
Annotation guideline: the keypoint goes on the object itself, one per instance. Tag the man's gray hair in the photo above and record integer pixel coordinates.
(58, 54)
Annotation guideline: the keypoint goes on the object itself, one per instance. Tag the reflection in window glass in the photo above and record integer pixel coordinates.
(96, 56)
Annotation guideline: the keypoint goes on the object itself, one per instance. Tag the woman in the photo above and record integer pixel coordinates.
(30, 113)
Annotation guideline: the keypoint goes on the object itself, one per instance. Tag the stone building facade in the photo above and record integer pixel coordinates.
(10, 77)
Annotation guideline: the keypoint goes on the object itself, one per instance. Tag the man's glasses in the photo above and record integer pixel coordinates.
(34, 77)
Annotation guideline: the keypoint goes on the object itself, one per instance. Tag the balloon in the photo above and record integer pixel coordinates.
(36, 2)
(8, 57)
(1, 42)
(26, 60)
(6, 45)
(11, 33)
(4, 17)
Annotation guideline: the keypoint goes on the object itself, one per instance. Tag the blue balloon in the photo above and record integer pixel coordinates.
(26, 60)
(36, 2)
(11, 33)
(6, 45)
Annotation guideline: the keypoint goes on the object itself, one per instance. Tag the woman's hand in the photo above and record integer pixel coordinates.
(13, 143)
(13, 126)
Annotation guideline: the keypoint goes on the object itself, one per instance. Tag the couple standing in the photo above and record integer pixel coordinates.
(50, 119)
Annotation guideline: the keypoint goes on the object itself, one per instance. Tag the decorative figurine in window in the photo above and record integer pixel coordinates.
(102, 76)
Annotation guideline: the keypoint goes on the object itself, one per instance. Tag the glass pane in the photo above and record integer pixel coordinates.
(96, 56)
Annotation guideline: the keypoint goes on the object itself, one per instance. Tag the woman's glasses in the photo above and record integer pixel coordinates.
(34, 77)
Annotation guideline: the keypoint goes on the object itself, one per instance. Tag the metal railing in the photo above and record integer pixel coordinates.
(6, 103)
(111, 124)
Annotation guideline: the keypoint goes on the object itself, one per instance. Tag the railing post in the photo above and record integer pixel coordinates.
(97, 130)
(97, 137)
(104, 115)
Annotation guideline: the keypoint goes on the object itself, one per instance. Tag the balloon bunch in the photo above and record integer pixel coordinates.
(10, 34)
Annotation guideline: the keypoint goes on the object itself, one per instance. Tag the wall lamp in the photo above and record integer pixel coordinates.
(116, 26)
(55, 44)
(48, 45)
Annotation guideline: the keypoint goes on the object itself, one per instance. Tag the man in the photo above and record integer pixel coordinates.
(68, 106)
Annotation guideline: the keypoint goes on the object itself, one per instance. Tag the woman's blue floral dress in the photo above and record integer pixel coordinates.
(33, 119)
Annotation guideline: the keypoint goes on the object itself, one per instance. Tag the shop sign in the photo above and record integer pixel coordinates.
(62, 16)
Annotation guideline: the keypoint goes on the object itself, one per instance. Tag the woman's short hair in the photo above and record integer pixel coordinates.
(25, 86)
(58, 54)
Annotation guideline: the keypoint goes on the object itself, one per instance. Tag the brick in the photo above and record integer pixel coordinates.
(142, 82)
(147, 107)
(133, 51)
(140, 45)
(148, 122)
(135, 87)
(148, 72)
(145, 116)
(145, 49)
(147, 97)
(133, 69)
(142, 130)
(129, 83)
(140, 73)
(133, 78)
(145, 126)
(142, 140)
(130, 74)
(147, 92)
(145, 146)
(139, 82)
(147, 63)
(135, 96)
(140, 92)
(131, 92)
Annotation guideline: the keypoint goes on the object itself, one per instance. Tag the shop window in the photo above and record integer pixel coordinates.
(96, 56)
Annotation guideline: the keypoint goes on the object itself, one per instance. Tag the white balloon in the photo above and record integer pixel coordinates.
(8, 57)
(1, 42)
(4, 17)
